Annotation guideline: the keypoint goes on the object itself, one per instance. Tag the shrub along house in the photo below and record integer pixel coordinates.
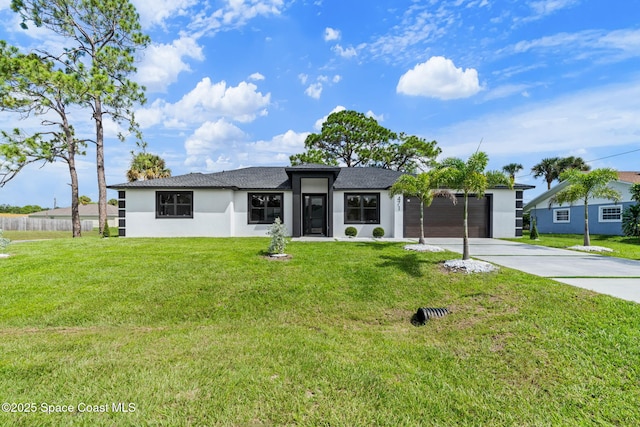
(605, 216)
(311, 200)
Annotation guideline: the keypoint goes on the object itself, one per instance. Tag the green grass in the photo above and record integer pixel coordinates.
(209, 332)
(623, 247)
(40, 235)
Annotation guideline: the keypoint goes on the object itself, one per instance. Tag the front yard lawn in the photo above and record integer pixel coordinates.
(623, 247)
(209, 332)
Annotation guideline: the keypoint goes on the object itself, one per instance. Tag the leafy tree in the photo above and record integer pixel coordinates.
(112, 202)
(101, 40)
(410, 154)
(353, 139)
(631, 215)
(552, 167)
(470, 177)
(512, 169)
(30, 85)
(147, 166)
(84, 200)
(425, 187)
(631, 221)
(635, 192)
(21, 209)
(312, 156)
(571, 162)
(349, 137)
(547, 168)
(4, 242)
(584, 186)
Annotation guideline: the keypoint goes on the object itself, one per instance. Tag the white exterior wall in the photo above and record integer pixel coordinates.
(314, 185)
(241, 226)
(388, 214)
(211, 215)
(503, 216)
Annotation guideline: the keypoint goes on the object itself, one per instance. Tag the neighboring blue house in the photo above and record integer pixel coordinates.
(605, 216)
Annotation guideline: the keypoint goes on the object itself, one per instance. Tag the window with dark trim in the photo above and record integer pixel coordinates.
(174, 204)
(264, 208)
(362, 208)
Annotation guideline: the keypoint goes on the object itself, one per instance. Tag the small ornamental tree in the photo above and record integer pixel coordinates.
(534, 230)
(278, 233)
(4, 242)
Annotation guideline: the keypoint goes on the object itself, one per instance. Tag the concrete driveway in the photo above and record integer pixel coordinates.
(607, 275)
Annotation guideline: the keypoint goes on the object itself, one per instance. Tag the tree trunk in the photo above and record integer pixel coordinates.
(102, 182)
(71, 161)
(465, 239)
(421, 240)
(587, 239)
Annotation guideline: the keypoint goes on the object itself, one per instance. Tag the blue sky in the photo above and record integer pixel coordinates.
(239, 83)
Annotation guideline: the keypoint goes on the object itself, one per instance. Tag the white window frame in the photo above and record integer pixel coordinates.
(558, 221)
(601, 213)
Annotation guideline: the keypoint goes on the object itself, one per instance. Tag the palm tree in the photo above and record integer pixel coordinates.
(584, 186)
(547, 168)
(470, 178)
(147, 166)
(425, 187)
(512, 169)
(571, 162)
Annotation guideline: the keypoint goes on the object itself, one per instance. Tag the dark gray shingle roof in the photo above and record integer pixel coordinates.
(366, 178)
(270, 178)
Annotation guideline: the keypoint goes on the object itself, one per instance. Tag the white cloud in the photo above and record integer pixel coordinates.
(336, 79)
(314, 90)
(303, 78)
(547, 7)
(209, 138)
(590, 44)
(242, 103)
(155, 12)
(505, 91)
(603, 117)
(235, 14)
(379, 118)
(349, 52)
(331, 34)
(421, 24)
(274, 151)
(289, 142)
(256, 77)
(439, 78)
(163, 63)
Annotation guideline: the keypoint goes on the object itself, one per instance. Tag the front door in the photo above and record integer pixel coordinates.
(314, 215)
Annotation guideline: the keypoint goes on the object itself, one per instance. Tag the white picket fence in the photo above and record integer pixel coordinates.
(41, 224)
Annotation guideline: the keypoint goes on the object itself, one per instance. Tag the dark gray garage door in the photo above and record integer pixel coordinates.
(444, 219)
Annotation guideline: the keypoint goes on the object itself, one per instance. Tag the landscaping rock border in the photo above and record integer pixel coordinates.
(423, 248)
(470, 266)
(590, 248)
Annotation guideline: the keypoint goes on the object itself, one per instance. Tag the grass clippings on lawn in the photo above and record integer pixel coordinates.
(206, 332)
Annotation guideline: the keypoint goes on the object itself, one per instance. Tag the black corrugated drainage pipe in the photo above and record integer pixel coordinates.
(425, 313)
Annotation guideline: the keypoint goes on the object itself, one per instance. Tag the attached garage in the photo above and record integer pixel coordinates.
(444, 219)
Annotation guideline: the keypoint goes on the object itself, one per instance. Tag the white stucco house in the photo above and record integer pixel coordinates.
(605, 216)
(311, 200)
